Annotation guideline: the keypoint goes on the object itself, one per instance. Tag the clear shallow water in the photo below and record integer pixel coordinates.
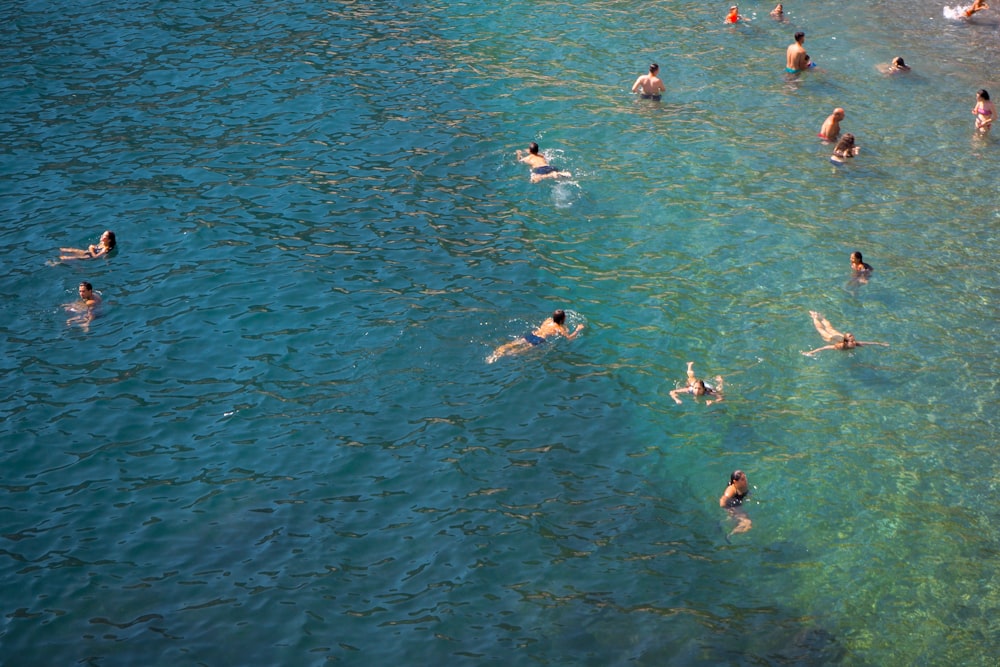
(280, 443)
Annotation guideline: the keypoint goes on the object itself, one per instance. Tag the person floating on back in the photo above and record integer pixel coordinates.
(697, 387)
(844, 341)
(93, 251)
(540, 167)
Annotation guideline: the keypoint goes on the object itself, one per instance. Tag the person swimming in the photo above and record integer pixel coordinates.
(550, 328)
(734, 15)
(732, 499)
(977, 6)
(898, 65)
(697, 387)
(845, 341)
(540, 167)
(104, 246)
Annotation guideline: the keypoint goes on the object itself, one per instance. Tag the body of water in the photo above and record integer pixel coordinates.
(279, 442)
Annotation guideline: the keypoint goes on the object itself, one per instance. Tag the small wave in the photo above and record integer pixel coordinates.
(955, 13)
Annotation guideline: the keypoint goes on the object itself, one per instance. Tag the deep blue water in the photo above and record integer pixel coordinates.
(280, 444)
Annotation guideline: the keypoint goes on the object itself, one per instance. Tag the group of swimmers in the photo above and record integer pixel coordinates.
(84, 310)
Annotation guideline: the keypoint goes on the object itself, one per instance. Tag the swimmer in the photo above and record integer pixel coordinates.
(984, 111)
(795, 55)
(845, 341)
(845, 148)
(897, 65)
(734, 15)
(862, 270)
(550, 328)
(732, 500)
(831, 126)
(102, 248)
(698, 387)
(977, 6)
(540, 167)
(649, 86)
(778, 12)
(84, 308)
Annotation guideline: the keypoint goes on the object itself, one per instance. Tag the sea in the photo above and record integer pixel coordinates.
(279, 441)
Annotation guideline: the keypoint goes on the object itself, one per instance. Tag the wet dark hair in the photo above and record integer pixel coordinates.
(653, 68)
(112, 241)
(856, 255)
(559, 316)
(799, 36)
(898, 62)
(87, 285)
(699, 388)
(737, 476)
(533, 148)
(846, 143)
(983, 94)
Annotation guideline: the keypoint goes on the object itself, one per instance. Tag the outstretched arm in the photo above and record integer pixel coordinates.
(871, 343)
(819, 349)
(571, 336)
(674, 395)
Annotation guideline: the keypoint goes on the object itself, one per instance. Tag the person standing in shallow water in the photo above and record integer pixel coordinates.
(831, 126)
(796, 58)
(732, 500)
(984, 111)
(862, 270)
(650, 86)
(550, 328)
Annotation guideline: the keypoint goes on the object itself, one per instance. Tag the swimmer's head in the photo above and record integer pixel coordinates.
(983, 95)
(654, 68)
(699, 388)
(846, 142)
(898, 63)
(86, 288)
(800, 37)
(838, 113)
(856, 257)
(559, 316)
(108, 239)
(737, 476)
(533, 148)
(849, 340)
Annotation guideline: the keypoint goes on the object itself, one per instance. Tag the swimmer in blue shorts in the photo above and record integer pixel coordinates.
(796, 58)
(550, 328)
(540, 167)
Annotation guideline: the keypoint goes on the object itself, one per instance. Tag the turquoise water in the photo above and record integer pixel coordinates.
(280, 444)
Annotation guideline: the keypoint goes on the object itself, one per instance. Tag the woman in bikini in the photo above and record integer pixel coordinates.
(844, 341)
(698, 387)
(984, 111)
(102, 248)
